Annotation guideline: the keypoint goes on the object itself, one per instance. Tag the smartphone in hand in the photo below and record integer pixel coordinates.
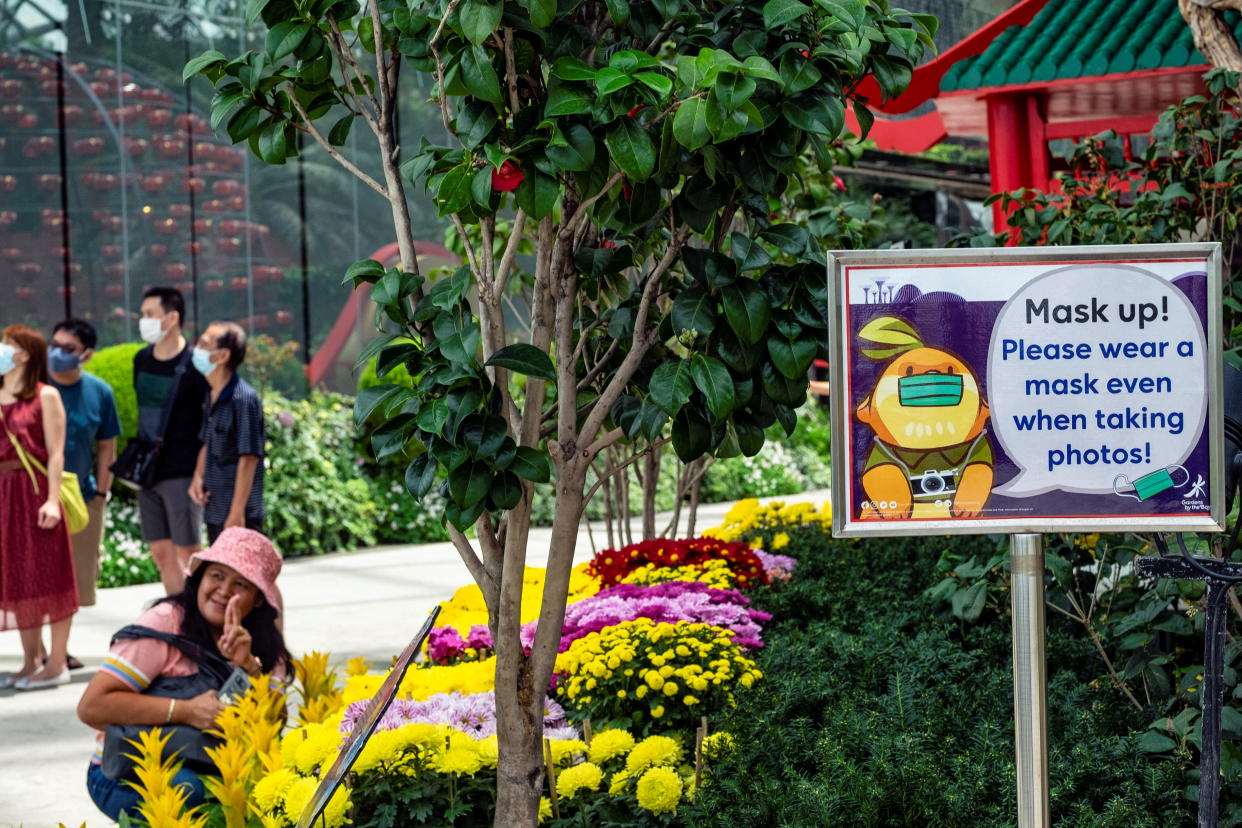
(236, 686)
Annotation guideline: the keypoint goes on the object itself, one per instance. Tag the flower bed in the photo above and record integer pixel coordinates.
(658, 644)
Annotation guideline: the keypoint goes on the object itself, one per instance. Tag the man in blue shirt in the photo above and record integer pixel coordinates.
(228, 479)
(90, 439)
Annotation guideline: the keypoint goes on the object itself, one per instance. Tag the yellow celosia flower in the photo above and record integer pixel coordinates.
(654, 750)
(584, 777)
(659, 790)
(357, 666)
(608, 744)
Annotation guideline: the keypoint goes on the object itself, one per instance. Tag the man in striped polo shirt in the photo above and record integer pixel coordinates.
(228, 480)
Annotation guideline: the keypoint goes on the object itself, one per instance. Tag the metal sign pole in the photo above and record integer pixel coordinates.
(1030, 702)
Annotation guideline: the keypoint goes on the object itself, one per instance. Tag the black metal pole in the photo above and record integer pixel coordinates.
(304, 253)
(63, 138)
(1213, 699)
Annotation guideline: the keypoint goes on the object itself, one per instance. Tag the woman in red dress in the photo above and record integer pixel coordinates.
(37, 583)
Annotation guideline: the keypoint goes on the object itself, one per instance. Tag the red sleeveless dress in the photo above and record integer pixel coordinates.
(37, 582)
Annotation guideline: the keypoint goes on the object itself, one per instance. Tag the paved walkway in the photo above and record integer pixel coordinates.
(369, 602)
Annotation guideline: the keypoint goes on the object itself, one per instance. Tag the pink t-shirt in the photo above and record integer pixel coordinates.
(139, 661)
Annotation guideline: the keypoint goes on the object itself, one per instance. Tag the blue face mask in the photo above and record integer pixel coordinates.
(202, 361)
(60, 361)
(7, 363)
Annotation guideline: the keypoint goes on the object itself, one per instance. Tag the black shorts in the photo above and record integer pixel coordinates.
(214, 529)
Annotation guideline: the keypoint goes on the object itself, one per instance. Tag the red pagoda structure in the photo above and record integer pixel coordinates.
(1047, 70)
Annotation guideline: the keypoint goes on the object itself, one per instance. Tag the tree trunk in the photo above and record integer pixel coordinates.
(651, 481)
(519, 769)
(694, 498)
(1213, 38)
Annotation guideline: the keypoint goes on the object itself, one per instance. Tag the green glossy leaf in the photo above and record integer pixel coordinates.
(475, 121)
(453, 193)
(619, 11)
(694, 310)
(714, 269)
(481, 187)
(244, 123)
(790, 238)
(671, 385)
(479, 76)
(532, 464)
(542, 12)
(760, 67)
(748, 310)
(420, 475)
(792, 357)
(272, 143)
(690, 124)
(821, 115)
(713, 379)
(662, 85)
(631, 149)
(777, 13)
(749, 435)
(691, 435)
(564, 99)
(747, 253)
(609, 80)
(798, 74)
(391, 436)
(578, 152)
(432, 416)
(284, 39)
(339, 134)
(733, 89)
(469, 482)
(506, 491)
(852, 12)
(523, 358)
(483, 434)
(537, 194)
(210, 58)
(369, 400)
(479, 18)
(892, 74)
(572, 69)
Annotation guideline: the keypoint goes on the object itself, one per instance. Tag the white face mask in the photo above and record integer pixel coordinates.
(7, 363)
(152, 330)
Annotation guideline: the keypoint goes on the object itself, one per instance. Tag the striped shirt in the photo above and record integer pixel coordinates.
(232, 427)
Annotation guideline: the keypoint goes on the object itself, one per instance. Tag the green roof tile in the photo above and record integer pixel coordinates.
(1079, 38)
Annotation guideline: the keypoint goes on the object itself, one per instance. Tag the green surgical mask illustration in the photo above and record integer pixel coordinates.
(930, 390)
(1150, 484)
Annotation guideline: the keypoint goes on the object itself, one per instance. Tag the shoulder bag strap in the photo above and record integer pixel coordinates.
(28, 462)
(196, 653)
(182, 362)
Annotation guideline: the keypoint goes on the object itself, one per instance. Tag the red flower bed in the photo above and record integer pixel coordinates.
(611, 565)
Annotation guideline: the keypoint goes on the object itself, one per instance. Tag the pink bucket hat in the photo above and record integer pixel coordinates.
(251, 554)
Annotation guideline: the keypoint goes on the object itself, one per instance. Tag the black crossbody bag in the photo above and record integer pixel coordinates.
(135, 467)
(189, 743)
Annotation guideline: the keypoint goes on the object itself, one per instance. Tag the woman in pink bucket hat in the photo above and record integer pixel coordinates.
(167, 670)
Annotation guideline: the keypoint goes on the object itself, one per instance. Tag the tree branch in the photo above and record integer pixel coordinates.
(570, 227)
(345, 56)
(478, 571)
(599, 366)
(332, 151)
(509, 256)
(607, 475)
(542, 314)
(640, 341)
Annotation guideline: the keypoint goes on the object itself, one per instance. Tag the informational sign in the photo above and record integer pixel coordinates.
(1026, 389)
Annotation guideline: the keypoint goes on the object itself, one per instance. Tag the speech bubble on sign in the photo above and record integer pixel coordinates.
(1097, 380)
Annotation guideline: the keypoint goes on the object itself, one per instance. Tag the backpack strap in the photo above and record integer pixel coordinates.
(205, 659)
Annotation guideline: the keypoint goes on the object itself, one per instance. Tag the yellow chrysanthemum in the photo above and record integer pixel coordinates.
(298, 795)
(659, 790)
(337, 810)
(608, 744)
(717, 744)
(654, 750)
(565, 749)
(584, 777)
(269, 793)
(545, 808)
(319, 747)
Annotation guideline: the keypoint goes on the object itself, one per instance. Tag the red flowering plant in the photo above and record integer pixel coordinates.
(507, 177)
(612, 565)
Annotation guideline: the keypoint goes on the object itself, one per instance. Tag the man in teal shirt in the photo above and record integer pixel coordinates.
(90, 439)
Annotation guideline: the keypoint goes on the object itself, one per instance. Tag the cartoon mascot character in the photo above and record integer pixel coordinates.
(931, 457)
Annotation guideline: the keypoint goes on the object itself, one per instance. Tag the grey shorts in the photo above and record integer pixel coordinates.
(166, 511)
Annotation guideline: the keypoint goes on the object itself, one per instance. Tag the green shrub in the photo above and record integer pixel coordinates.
(115, 366)
(879, 708)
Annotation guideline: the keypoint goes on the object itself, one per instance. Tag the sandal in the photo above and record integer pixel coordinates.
(72, 663)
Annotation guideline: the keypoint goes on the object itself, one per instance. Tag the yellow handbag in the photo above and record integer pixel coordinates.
(72, 504)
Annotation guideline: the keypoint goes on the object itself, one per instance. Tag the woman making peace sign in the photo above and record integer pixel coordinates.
(227, 612)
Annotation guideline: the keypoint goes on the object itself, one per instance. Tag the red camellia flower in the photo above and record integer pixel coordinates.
(837, 183)
(608, 244)
(507, 178)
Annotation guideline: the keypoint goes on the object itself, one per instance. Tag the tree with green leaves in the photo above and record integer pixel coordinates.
(645, 152)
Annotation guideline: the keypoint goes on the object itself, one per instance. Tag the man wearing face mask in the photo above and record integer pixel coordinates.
(170, 399)
(228, 479)
(90, 440)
